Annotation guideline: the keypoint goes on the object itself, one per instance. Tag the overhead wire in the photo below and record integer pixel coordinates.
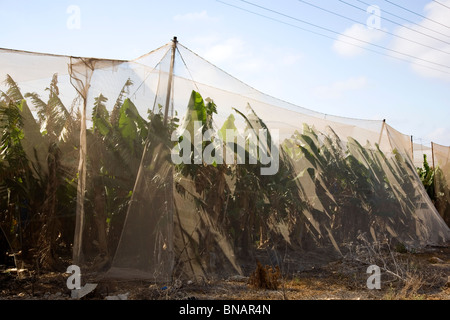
(399, 24)
(323, 35)
(441, 4)
(407, 20)
(332, 38)
(381, 30)
(418, 14)
(343, 35)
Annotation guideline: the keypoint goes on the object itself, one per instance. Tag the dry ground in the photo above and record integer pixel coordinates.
(425, 276)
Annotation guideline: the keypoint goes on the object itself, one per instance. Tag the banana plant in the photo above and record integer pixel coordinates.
(21, 188)
(28, 173)
(206, 185)
(426, 174)
(116, 143)
(351, 182)
(260, 202)
(442, 191)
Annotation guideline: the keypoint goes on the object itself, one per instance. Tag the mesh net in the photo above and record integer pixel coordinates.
(420, 151)
(441, 161)
(167, 166)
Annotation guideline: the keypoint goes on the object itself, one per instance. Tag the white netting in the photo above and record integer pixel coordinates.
(99, 150)
(441, 162)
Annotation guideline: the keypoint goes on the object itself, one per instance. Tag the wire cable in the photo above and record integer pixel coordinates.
(188, 70)
(406, 27)
(382, 30)
(441, 4)
(344, 35)
(418, 14)
(407, 20)
(332, 38)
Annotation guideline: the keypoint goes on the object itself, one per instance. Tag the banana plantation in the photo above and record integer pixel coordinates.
(87, 175)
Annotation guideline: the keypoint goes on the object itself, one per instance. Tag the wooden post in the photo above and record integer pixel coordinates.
(80, 80)
(170, 175)
(381, 133)
(432, 154)
(169, 84)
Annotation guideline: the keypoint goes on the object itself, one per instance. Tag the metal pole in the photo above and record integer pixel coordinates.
(169, 85)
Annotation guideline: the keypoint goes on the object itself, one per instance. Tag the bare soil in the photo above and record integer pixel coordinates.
(426, 277)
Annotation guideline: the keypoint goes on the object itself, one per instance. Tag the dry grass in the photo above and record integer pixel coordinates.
(266, 278)
(412, 276)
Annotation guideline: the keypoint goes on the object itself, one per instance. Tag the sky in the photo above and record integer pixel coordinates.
(368, 59)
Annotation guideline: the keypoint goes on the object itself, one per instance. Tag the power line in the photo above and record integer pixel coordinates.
(407, 20)
(344, 35)
(418, 14)
(332, 38)
(382, 30)
(399, 24)
(441, 4)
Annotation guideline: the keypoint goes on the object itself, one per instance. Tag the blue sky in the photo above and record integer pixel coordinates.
(300, 67)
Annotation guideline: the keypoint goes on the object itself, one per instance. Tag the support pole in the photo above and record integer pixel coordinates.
(381, 132)
(80, 77)
(432, 154)
(77, 254)
(169, 192)
(169, 85)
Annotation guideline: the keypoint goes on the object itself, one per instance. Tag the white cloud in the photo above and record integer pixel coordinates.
(290, 59)
(256, 67)
(440, 135)
(347, 45)
(194, 16)
(230, 49)
(235, 51)
(339, 88)
(207, 40)
(418, 34)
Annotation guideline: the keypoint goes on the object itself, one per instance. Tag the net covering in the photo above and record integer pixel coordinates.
(167, 167)
(441, 163)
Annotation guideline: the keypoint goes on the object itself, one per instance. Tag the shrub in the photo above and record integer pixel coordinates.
(265, 277)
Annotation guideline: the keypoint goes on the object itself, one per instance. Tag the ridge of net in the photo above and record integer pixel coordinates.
(61, 55)
(148, 67)
(267, 95)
